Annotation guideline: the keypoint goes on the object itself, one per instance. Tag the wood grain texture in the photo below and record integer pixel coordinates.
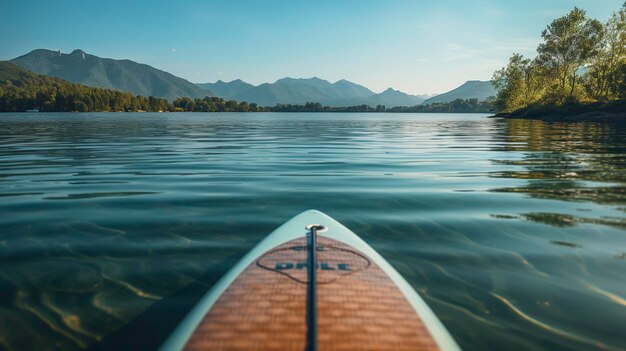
(359, 307)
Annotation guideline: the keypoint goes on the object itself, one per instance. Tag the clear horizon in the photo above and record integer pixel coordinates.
(418, 48)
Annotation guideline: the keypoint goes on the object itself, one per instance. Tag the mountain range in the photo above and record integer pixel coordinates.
(124, 75)
(142, 79)
(302, 90)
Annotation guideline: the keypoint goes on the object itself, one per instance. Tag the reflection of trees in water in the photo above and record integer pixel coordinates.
(570, 191)
(583, 137)
(565, 220)
(566, 161)
(563, 158)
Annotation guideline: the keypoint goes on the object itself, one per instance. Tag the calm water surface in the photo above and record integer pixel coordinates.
(113, 225)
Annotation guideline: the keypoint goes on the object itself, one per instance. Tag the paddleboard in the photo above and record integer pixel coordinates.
(273, 299)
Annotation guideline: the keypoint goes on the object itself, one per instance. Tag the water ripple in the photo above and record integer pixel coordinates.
(115, 224)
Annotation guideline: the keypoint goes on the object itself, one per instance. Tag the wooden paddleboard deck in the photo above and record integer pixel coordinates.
(261, 304)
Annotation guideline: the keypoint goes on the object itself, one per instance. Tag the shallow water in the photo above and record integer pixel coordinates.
(113, 225)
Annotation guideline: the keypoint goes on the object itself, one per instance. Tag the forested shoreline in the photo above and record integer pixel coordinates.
(579, 69)
(22, 90)
(455, 106)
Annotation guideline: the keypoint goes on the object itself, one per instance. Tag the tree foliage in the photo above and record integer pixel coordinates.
(519, 83)
(606, 73)
(214, 104)
(570, 42)
(579, 60)
(456, 106)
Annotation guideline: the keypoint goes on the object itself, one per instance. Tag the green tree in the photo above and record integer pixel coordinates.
(606, 70)
(230, 106)
(520, 83)
(570, 42)
(243, 107)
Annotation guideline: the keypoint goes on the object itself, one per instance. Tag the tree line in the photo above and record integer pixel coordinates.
(214, 104)
(22, 90)
(317, 107)
(455, 106)
(580, 61)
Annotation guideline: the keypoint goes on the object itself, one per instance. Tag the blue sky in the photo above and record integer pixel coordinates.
(416, 46)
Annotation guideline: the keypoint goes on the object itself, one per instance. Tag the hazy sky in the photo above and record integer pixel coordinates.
(415, 46)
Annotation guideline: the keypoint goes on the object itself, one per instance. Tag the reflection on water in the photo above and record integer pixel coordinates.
(113, 225)
(566, 220)
(569, 162)
(561, 159)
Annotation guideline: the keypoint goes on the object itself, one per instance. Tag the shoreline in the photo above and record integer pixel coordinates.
(611, 111)
(581, 117)
(253, 112)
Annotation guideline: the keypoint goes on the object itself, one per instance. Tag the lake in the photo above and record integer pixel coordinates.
(112, 225)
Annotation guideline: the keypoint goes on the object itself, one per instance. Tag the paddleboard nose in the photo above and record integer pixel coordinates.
(294, 286)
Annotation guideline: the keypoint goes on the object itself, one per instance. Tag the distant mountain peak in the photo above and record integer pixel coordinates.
(312, 79)
(471, 89)
(226, 90)
(123, 75)
(44, 52)
(78, 53)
